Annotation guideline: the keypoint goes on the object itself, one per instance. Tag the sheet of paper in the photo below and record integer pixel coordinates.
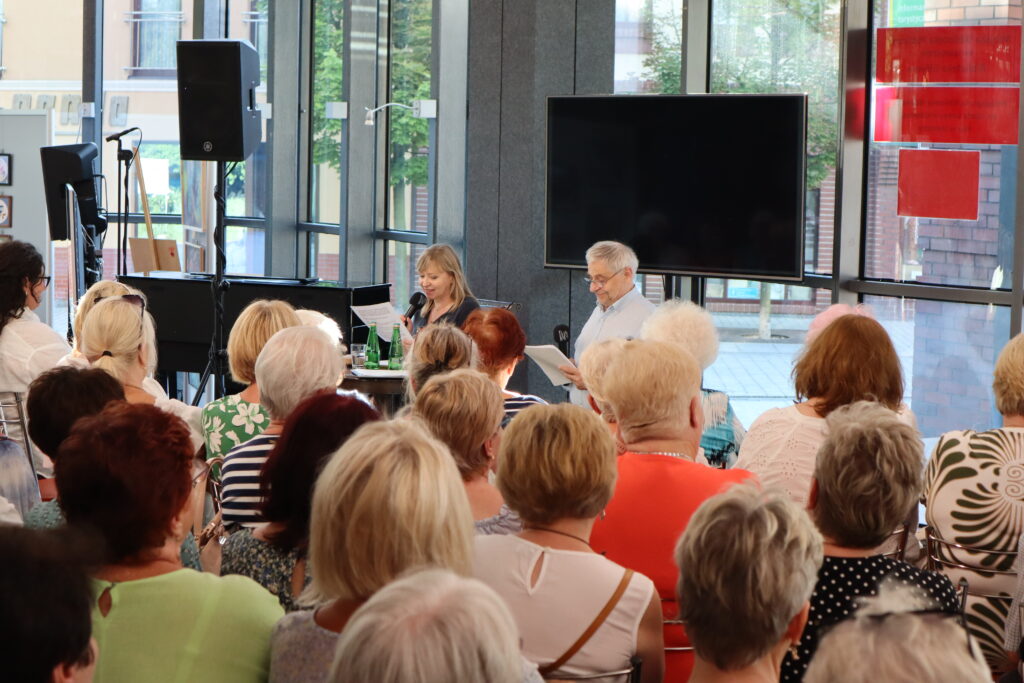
(385, 316)
(548, 358)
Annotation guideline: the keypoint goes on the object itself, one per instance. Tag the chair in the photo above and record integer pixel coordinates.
(513, 306)
(14, 403)
(669, 648)
(942, 556)
(633, 673)
(902, 535)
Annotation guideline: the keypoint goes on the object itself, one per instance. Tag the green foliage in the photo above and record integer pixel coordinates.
(764, 46)
(411, 29)
(328, 45)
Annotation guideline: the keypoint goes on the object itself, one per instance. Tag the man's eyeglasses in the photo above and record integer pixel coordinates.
(601, 281)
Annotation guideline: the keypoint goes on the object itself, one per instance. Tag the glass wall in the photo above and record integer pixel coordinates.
(410, 49)
(325, 157)
(401, 268)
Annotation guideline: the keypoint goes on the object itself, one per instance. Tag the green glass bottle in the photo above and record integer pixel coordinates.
(373, 349)
(395, 353)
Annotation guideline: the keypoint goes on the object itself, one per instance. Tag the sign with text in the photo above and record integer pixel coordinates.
(936, 183)
(906, 12)
(973, 116)
(948, 54)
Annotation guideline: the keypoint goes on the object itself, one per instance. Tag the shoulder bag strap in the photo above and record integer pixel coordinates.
(594, 625)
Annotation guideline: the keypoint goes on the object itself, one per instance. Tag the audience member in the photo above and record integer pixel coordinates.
(19, 487)
(556, 469)
(45, 613)
(620, 306)
(593, 363)
(687, 324)
(867, 476)
(898, 636)
(125, 473)
(852, 359)
(1012, 635)
(438, 349)
(500, 343)
(463, 409)
(442, 281)
(295, 363)
(106, 289)
(234, 419)
(654, 391)
(28, 346)
(117, 336)
(274, 554)
(389, 500)
(972, 497)
(312, 318)
(56, 400)
(748, 561)
(430, 626)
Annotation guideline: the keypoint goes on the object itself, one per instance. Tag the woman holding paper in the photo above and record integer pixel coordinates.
(500, 341)
(444, 284)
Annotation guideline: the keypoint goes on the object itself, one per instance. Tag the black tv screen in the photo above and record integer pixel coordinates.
(696, 184)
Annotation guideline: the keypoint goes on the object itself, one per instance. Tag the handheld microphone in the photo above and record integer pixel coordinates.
(561, 334)
(416, 302)
(118, 136)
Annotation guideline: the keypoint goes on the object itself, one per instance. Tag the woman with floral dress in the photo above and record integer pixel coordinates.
(234, 419)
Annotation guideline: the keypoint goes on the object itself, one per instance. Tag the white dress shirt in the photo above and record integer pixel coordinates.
(28, 348)
(622, 319)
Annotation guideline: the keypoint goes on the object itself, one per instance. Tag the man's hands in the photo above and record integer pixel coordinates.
(573, 373)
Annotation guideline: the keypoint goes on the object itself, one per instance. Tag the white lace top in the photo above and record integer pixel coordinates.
(782, 446)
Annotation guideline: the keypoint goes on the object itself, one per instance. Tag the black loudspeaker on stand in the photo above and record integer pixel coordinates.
(218, 121)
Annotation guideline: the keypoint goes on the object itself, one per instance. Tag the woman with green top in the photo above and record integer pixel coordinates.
(125, 474)
(235, 419)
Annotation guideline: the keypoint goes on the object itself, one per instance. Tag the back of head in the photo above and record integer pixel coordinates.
(46, 611)
(296, 363)
(443, 258)
(1008, 378)
(115, 334)
(687, 324)
(390, 499)
(438, 348)
(20, 264)
(430, 626)
(463, 409)
(748, 562)
(257, 323)
(890, 639)
(594, 363)
(649, 385)
(868, 472)
(326, 323)
(498, 336)
(831, 314)
(104, 289)
(615, 255)
(556, 462)
(125, 472)
(314, 430)
(59, 397)
(852, 359)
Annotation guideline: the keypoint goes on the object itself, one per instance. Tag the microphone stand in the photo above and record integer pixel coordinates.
(124, 157)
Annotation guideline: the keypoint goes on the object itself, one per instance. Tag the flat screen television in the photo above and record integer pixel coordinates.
(71, 165)
(707, 185)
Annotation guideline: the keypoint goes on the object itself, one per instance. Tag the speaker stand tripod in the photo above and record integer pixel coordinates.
(218, 353)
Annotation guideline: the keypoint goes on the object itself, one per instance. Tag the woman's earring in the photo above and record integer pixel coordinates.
(794, 652)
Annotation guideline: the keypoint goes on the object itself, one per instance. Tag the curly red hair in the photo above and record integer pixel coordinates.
(498, 336)
(126, 472)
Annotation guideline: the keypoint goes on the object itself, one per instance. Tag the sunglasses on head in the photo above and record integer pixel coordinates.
(135, 299)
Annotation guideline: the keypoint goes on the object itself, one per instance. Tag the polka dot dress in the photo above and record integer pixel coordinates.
(841, 580)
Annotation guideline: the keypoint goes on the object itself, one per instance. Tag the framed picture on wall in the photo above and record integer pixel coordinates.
(5, 169)
(6, 210)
